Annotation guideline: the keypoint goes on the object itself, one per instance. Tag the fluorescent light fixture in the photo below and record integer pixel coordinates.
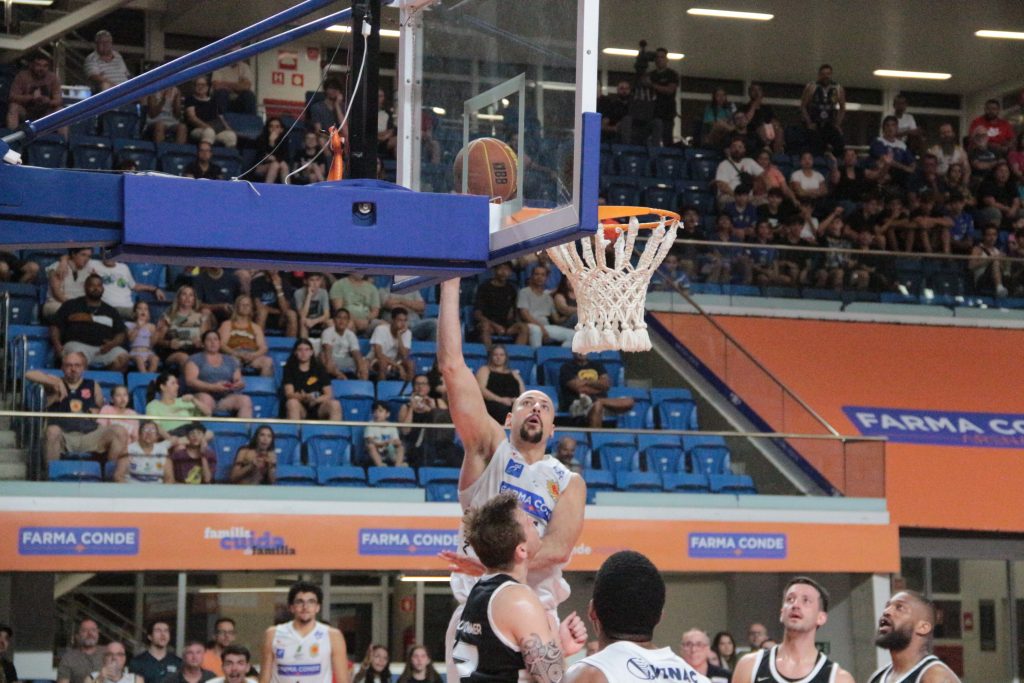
(440, 111)
(41, 3)
(626, 52)
(490, 117)
(412, 578)
(265, 589)
(729, 14)
(344, 28)
(1007, 35)
(928, 75)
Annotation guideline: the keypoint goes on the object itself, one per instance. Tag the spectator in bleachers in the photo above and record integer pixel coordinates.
(850, 182)
(191, 463)
(726, 264)
(272, 151)
(418, 667)
(387, 131)
(146, 460)
(223, 636)
(981, 155)
(537, 310)
(361, 298)
(771, 179)
(162, 400)
(164, 110)
(670, 275)
(742, 212)
(565, 303)
(391, 342)
(957, 182)
(985, 264)
(113, 669)
(119, 405)
(272, 296)
(313, 163)
(330, 111)
(735, 170)
(339, 350)
(613, 109)
(764, 260)
(1016, 158)
(777, 206)
(822, 109)
(313, 306)
(104, 66)
(91, 327)
(494, 312)
(665, 83)
(948, 151)
(203, 166)
(119, 285)
(218, 289)
(242, 338)
(794, 264)
(375, 666)
(85, 656)
(998, 130)
(13, 269)
(233, 88)
(867, 217)
(34, 93)
(716, 124)
(66, 278)
(906, 125)
(180, 329)
(235, 662)
(834, 264)
(306, 386)
(255, 464)
(565, 453)
(695, 648)
(191, 669)
(423, 445)
(998, 197)
(724, 645)
(423, 329)
(808, 183)
(868, 270)
(383, 444)
(932, 225)
(762, 120)
(583, 386)
(205, 119)
(8, 671)
(216, 379)
(889, 148)
(741, 127)
(499, 383)
(962, 235)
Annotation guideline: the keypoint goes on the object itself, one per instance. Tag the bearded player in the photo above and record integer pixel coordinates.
(906, 630)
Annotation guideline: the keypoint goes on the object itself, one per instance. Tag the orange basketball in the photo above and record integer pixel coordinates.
(492, 169)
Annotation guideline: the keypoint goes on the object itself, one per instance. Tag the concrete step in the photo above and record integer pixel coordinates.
(12, 455)
(13, 471)
(8, 439)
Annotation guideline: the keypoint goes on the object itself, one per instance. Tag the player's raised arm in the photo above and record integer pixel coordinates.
(564, 529)
(267, 656)
(479, 433)
(519, 614)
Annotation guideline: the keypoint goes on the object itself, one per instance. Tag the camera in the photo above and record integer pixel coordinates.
(643, 58)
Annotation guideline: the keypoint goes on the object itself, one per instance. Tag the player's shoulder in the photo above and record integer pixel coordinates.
(583, 672)
(842, 675)
(939, 672)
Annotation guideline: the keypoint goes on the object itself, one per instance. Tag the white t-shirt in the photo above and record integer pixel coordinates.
(74, 283)
(148, 468)
(729, 171)
(540, 306)
(382, 336)
(301, 659)
(626, 661)
(807, 183)
(342, 346)
(957, 156)
(118, 284)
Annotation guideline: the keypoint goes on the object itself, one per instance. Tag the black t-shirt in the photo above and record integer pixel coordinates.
(764, 114)
(664, 105)
(10, 673)
(92, 324)
(851, 189)
(612, 107)
(206, 111)
(154, 670)
(497, 303)
(212, 172)
(786, 208)
(222, 290)
(263, 291)
(800, 258)
(1004, 194)
(860, 222)
(570, 370)
(311, 381)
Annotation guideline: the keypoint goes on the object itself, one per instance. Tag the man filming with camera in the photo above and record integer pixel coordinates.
(652, 112)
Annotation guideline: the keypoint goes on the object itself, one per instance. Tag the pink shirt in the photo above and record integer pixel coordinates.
(130, 426)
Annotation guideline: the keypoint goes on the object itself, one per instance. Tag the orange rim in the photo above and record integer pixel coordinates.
(612, 212)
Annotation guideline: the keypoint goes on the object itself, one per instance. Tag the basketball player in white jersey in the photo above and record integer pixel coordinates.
(804, 611)
(493, 463)
(629, 596)
(304, 650)
(906, 630)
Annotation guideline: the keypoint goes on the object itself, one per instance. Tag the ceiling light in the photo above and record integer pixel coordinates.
(440, 111)
(345, 28)
(626, 52)
(267, 589)
(424, 579)
(729, 14)
(929, 75)
(42, 3)
(1008, 35)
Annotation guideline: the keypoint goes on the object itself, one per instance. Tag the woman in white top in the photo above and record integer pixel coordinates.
(807, 183)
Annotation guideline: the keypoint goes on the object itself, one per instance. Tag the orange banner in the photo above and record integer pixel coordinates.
(87, 541)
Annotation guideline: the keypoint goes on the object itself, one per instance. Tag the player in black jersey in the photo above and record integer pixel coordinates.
(503, 635)
(804, 611)
(906, 630)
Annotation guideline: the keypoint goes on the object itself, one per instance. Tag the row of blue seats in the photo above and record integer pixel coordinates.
(661, 453)
(603, 480)
(669, 196)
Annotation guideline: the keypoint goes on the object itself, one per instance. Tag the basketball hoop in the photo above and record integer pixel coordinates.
(610, 297)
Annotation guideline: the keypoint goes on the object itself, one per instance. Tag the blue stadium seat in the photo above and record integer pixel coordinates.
(48, 151)
(598, 480)
(356, 398)
(395, 393)
(137, 383)
(549, 361)
(683, 482)
(731, 483)
(677, 413)
(707, 454)
(635, 417)
(703, 169)
(22, 309)
(327, 445)
(92, 153)
(659, 453)
(108, 379)
(523, 358)
(612, 362)
(226, 447)
(475, 355)
(391, 477)
(287, 447)
(615, 450)
(121, 123)
(173, 158)
(442, 492)
(142, 152)
(704, 200)
(296, 475)
(75, 470)
(229, 160)
(246, 125)
(264, 395)
(638, 481)
(670, 166)
(633, 164)
(660, 394)
(423, 354)
(619, 194)
(341, 475)
(441, 484)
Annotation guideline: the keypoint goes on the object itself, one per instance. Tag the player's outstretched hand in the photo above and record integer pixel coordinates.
(462, 564)
(573, 634)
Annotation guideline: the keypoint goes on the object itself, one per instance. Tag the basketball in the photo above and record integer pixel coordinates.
(493, 167)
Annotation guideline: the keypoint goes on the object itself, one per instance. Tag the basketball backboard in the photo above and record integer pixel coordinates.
(524, 72)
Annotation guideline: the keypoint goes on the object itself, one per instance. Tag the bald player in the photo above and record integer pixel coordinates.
(518, 463)
(906, 631)
(804, 611)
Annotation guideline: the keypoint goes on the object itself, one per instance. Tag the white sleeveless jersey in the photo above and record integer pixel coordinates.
(538, 487)
(300, 659)
(626, 661)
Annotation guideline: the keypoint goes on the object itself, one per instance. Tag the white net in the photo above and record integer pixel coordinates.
(610, 297)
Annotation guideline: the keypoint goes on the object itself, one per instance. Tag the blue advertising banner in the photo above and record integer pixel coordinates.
(736, 546)
(939, 427)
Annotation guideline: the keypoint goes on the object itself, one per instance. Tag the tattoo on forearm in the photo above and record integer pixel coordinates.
(543, 660)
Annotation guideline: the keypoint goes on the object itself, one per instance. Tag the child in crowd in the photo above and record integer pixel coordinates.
(146, 462)
(140, 336)
(119, 400)
(382, 442)
(194, 462)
